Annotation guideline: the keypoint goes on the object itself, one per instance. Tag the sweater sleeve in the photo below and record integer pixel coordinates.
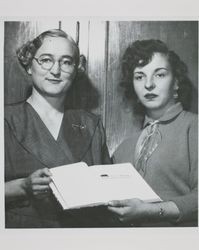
(188, 204)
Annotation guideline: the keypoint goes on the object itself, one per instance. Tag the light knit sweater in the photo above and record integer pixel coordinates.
(172, 169)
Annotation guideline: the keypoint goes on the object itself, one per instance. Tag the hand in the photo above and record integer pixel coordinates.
(37, 184)
(130, 210)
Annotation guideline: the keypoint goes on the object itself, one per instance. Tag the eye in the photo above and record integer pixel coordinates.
(45, 60)
(160, 75)
(138, 77)
(66, 61)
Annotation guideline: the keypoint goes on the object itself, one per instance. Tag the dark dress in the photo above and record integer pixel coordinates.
(30, 146)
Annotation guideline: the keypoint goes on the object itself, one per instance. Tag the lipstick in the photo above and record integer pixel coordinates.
(150, 96)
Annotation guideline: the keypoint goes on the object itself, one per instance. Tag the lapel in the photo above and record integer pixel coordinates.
(79, 129)
(72, 144)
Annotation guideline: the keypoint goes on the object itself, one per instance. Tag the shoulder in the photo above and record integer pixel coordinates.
(187, 125)
(190, 116)
(15, 113)
(189, 119)
(13, 108)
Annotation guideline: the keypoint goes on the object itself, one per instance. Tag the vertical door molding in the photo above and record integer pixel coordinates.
(17, 84)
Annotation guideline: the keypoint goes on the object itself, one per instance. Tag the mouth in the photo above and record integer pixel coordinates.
(150, 96)
(54, 81)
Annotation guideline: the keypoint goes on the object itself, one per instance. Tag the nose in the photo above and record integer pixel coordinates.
(55, 70)
(149, 84)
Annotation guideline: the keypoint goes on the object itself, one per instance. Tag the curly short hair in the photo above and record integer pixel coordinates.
(140, 53)
(27, 51)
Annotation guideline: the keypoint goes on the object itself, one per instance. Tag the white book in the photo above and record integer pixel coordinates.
(77, 185)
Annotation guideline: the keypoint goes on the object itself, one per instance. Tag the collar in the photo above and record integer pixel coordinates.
(169, 115)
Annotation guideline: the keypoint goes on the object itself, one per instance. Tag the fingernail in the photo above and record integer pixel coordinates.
(110, 203)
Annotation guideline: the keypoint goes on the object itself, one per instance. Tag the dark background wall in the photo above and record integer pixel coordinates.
(102, 44)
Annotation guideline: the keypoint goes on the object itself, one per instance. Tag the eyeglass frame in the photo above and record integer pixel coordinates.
(53, 60)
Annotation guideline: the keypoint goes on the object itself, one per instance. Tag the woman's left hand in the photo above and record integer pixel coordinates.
(130, 210)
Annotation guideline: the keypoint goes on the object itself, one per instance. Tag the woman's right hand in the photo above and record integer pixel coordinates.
(129, 210)
(37, 184)
(137, 211)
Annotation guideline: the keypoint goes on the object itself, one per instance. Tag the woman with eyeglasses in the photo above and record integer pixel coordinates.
(40, 134)
(165, 151)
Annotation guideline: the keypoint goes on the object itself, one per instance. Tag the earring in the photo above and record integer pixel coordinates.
(175, 95)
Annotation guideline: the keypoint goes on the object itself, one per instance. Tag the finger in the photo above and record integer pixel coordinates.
(41, 180)
(120, 210)
(40, 188)
(115, 210)
(41, 195)
(42, 172)
(46, 172)
(115, 203)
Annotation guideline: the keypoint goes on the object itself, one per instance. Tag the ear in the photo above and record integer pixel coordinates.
(176, 87)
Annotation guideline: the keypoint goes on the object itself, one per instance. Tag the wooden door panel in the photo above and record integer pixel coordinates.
(181, 37)
(17, 83)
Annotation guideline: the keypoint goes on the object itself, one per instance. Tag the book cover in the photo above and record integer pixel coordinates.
(77, 185)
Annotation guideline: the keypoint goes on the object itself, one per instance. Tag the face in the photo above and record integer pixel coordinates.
(155, 85)
(53, 81)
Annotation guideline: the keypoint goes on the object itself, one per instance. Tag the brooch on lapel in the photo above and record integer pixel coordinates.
(79, 126)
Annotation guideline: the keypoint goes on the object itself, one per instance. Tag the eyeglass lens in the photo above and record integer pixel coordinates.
(47, 62)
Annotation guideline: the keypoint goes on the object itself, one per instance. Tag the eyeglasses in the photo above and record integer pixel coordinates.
(47, 62)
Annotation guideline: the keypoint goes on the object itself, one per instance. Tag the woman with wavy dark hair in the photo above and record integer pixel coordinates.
(40, 134)
(165, 151)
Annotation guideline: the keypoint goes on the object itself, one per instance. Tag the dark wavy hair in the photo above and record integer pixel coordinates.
(26, 53)
(140, 53)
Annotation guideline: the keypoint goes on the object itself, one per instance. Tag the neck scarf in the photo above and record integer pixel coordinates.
(151, 137)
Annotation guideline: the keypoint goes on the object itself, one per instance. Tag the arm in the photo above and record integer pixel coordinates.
(138, 211)
(15, 189)
(183, 208)
(36, 185)
(19, 189)
(188, 203)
